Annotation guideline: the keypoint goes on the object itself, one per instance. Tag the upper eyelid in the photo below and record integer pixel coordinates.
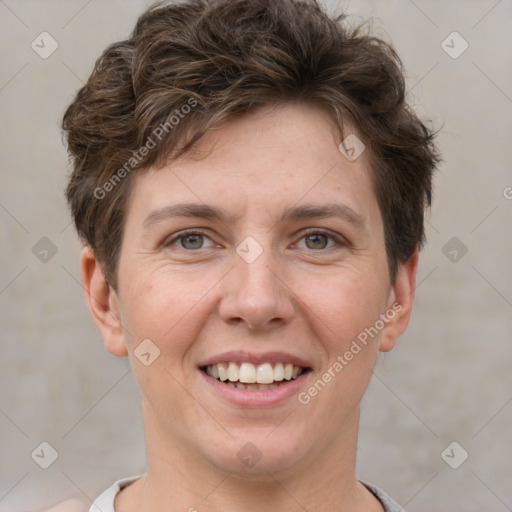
(181, 234)
(322, 231)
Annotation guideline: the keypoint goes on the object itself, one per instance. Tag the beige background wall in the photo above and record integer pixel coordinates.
(449, 378)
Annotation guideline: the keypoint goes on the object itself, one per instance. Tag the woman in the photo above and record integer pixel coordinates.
(250, 187)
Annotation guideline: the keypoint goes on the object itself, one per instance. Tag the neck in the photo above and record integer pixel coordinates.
(178, 480)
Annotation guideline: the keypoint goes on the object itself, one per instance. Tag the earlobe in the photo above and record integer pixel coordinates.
(102, 302)
(400, 302)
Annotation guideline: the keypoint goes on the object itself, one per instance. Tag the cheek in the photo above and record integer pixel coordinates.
(343, 312)
(343, 304)
(168, 311)
(167, 307)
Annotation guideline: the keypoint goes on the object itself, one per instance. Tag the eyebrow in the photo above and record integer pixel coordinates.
(190, 210)
(204, 211)
(323, 211)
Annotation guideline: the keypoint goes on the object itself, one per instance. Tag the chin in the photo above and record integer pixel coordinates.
(253, 454)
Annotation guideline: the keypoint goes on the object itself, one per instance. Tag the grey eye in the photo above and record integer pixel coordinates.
(316, 241)
(191, 241)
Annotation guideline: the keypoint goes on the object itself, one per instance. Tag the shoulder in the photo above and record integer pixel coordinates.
(389, 504)
(72, 505)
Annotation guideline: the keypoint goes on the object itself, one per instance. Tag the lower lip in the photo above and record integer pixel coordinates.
(256, 398)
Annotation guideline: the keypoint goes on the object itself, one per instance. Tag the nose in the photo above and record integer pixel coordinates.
(256, 295)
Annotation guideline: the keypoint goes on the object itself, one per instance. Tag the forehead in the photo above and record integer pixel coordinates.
(269, 160)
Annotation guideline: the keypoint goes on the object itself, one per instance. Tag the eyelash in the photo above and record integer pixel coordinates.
(340, 242)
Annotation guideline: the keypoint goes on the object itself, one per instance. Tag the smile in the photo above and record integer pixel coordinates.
(254, 377)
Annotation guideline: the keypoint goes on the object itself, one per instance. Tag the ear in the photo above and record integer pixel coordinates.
(103, 304)
(400, 302)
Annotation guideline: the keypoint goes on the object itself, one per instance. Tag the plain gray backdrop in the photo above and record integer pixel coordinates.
(448, 380)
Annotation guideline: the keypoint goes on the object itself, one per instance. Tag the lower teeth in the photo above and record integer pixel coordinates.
(253, 387)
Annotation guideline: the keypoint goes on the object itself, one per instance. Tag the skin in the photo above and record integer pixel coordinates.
(299, 298)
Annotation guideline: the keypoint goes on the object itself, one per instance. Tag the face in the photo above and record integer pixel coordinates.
(263, 259)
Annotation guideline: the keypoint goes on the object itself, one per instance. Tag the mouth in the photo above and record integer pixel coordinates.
(254, 377)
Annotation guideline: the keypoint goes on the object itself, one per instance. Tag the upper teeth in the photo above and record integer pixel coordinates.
(249, 373)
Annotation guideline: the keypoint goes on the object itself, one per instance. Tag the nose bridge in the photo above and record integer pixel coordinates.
(258, 280)
(256, 295)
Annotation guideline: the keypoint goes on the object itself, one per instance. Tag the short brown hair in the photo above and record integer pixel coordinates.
(222, 59)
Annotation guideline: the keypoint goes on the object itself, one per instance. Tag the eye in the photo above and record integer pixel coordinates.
(189, 240)
(318, 240)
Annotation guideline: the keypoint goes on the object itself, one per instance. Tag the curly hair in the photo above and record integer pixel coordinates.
(192, 65)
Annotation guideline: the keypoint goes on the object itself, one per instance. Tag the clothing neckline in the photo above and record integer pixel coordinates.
(105, 502)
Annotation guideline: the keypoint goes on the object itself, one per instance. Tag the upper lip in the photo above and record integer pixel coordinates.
(255, 358)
